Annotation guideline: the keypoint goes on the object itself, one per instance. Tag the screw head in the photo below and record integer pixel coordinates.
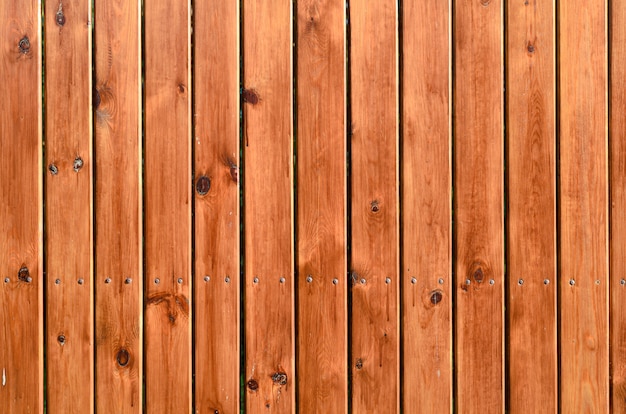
(157, 281)
(255, 280)
(598, 282)
(363, 281)
(107, 280)
(440, 281)
(546, 281)
(54, 170)
(572, 282)
(207, 278)
(467, 281)
(309, 279)
(520, 282)
(81, 281)
(491, 282)
(622, 282)
(7, 280)
(388, 280)
(180, 280)
(413, 280)
(281, 280)
(57, 282)
(128, 281)
(227, 279)
(335, 281)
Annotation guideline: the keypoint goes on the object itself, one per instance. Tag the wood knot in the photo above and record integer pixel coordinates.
(203, 185)
(24, 275)
(123, 357)
(24, 45)
(279, 378)
(436, 297)
(60, 18)
(359, 364)
(252, 384)
(478, 275)
(96, 98)
(78, 164)
(250, 96)
(374, 206)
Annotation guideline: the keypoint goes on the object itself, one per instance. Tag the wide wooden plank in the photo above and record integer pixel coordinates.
(478, 206)
(268, 207)
(583, 218)
(118, 210)
(617, 145)
(167, 201)
(68, 216)
(531, 224)
(21, 226)
(216, 152)
(426, 208)
(375, 353)
(321, 216)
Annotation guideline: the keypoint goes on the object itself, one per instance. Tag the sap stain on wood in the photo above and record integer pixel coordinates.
(175, 303)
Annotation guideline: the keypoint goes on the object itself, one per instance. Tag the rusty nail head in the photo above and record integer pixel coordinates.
(309, 279)
(207, 278)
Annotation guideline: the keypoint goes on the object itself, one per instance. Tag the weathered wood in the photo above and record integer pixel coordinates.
(426, 208)
(167, 211)
(21, 223)
(531, 224)
(322, 255)
(583, 218)
(375, 353)
(478, 206)
(617, 146)
(216, 152)
(68, 215)
(268, 207)
(118, 210)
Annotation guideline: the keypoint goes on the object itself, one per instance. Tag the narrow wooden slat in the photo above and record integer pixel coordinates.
(617, 144)
(426, 208)
(167, 212)
(268, 214)
(216, 152)
(478, 206)
(322, 256)
(21, 223)
(118, 210)
(375, 353)
(583, 202)
(68, 192)
(531, 225)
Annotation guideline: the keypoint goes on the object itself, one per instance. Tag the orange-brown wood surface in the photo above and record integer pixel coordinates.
(583, 212)
(531, 224)
(375, 271)
(478, 206)
(617, 145)
(268, 213)
(426, 208)
(216, 152)
(21, 225)
(321, 216)
(68, 209)
(167, 201)
(118, 277)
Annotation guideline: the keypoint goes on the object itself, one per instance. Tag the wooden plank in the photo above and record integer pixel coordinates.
(118, 211)
(167, 212)
(216, 152)
(21, 226)
(478, 206)
(68, 219)
(531, 225)
(375, 255)
(617, 233)
(426, 208)
(583, 219)
(322, 255)
(268, 201)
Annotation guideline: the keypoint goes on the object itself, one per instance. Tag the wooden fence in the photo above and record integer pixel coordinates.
(320, 207)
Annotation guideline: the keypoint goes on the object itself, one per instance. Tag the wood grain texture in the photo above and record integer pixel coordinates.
(322, 256)
(118, 210)
(216, 152)
(268, 202)
(69, 202)
(583, 193)
(531, 224)
(617, 163)
(21, 226)
(478, 206)
(167, 192)
(375, 353)
(426, 208)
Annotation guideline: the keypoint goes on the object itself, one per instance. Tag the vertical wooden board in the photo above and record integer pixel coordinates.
(426, 208)
(21, 226)
(118, 211)
(583, 194)
(618, 205)
(375, 353)
(478, 206)
(268, 202)
(68, 218)
(216, 152)
(167, 212)
(531, 224)
(321, 194)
